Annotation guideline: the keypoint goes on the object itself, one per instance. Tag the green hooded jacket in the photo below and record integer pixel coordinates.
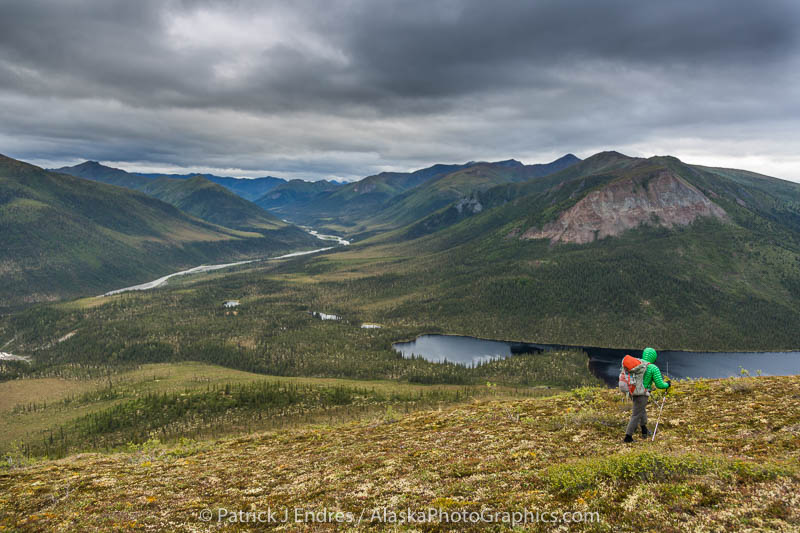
(652, 374)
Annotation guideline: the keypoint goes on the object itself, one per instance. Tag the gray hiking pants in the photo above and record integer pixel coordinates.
(639, 416)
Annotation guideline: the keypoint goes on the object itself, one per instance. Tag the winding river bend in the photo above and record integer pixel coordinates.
(4, 356)
(604, 362)
(209, 268)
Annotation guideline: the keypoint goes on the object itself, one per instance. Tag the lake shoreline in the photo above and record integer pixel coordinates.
(604, 363)
(581, 347)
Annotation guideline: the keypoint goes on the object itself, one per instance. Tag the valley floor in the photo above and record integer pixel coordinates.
(725, 459)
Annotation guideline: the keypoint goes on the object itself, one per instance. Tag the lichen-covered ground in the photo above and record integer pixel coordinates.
(725, 459)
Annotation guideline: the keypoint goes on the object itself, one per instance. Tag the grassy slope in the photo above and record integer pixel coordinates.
(65, 236)
(733, 471)
(34, 408)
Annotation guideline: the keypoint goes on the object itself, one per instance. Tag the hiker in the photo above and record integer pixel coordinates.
(636, 378)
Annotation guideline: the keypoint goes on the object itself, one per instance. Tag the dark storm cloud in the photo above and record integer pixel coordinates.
(489, 44)
(346, 88)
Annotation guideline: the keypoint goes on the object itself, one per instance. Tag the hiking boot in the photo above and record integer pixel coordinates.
(645, 432)
(628, 438)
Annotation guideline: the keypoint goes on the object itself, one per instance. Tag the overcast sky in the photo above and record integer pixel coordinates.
(345, 89)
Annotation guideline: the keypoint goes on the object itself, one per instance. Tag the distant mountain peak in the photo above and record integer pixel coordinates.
(90, 164)
(610, 155)
(93, 170)
(508, 163)
(567, 158)
(665, 158)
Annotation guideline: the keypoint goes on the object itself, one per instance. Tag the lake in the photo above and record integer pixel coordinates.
(605, 362)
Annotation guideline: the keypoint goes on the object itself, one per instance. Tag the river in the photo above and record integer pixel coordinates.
(208, 268)
(5, 356)
(605, 362)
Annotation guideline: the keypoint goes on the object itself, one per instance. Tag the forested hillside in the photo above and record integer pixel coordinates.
(680, 264)
(211, 202)
(196, 195)
(64, 236)
(459, 188)
(285, 198)
(393, 199)
(248, 188)
(726, 282)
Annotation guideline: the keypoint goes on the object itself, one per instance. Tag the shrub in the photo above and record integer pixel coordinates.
(585, 394)
(741, 386)
(573, 478)
(596, 419)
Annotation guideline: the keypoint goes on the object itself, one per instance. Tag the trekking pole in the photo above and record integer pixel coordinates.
(659, 415)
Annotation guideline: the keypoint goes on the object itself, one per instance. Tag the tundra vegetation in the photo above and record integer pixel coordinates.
(734, 471)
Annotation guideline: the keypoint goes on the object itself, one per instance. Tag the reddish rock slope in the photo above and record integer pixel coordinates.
(660, 199)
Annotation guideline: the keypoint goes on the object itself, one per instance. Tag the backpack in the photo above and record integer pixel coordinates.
(631, 376)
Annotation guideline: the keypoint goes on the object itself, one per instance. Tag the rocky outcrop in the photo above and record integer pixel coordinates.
(470, 205)
(664, 199)
(364, 188)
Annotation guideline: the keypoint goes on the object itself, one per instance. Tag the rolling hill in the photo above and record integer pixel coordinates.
(64, 236)
(195, 195)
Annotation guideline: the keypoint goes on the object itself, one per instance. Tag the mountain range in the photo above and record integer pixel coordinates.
(608, 250)
(617, 251)
(610, 193)
(196, 195)
(251, 189)
(64, 236)
(392, 199)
